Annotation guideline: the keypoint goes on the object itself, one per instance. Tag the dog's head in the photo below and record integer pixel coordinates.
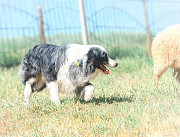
(97, 58)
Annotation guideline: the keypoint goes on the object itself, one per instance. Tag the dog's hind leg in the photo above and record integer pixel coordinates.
(28, 91)
(53, 90)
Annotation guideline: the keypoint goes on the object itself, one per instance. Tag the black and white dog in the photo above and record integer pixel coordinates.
(67, 68)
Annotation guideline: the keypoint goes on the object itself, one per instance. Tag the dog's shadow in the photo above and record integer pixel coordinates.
(109, 99)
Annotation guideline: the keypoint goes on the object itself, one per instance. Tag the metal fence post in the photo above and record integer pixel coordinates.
(83, 22)
(41, 26)
(147, 29)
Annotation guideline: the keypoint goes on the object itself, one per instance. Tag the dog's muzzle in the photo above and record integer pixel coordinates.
(111, 63)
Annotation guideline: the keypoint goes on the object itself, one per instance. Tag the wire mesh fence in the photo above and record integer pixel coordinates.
(110, 23)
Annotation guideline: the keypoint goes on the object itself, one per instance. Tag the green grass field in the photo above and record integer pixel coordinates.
(125, 103)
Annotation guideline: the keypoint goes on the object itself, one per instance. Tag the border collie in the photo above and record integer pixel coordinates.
(67, 68)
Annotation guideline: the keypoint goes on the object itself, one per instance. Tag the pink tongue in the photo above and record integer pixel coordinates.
(105, 70)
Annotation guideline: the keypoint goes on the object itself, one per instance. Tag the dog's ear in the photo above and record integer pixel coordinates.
(104, 55)
(93, 54)
(92, 57)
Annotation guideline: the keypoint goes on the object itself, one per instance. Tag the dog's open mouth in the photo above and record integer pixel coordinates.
(104, 69)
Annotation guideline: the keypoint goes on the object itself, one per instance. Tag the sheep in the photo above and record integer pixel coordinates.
(166, 52)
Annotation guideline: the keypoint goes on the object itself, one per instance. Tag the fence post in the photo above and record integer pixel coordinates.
(83, 22)
(147, 29)
(41, 26)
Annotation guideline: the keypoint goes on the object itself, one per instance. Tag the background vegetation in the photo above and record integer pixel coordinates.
(124, 45)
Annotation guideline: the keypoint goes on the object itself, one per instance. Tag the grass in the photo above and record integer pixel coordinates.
(125, 103)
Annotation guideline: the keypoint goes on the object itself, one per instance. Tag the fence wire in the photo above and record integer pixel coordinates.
(109, 22)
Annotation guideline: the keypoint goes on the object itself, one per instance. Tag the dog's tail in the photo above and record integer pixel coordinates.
(21, 74)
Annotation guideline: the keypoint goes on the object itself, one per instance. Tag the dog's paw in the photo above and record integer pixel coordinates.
(57, 102)
(26, 102)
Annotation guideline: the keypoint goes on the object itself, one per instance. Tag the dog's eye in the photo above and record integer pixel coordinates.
(104, 55)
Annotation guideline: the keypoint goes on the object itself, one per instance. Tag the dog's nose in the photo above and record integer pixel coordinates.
(116, 64)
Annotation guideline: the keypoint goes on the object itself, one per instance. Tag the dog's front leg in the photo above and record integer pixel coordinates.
(53, 90)
(88, 92)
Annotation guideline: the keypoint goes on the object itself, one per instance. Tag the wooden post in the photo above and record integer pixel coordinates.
(41, 26)
(147, 29)
(83, 23)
